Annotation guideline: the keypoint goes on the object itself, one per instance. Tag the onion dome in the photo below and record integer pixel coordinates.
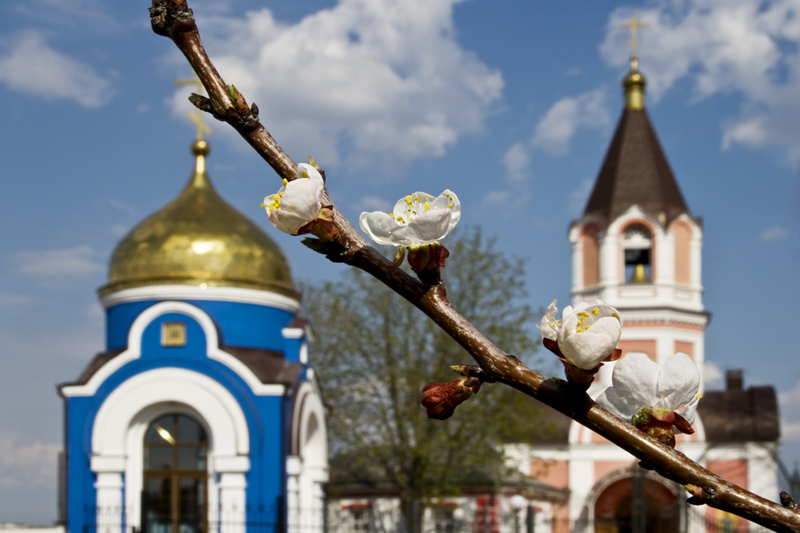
(199, 239)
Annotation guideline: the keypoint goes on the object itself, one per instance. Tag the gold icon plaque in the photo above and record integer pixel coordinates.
(173, 334)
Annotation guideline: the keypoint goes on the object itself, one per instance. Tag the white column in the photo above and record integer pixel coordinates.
(577, 268)
(232, 488)
(110, 515)
(294, 467)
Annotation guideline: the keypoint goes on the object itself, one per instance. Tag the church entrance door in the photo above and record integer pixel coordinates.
(174, 496)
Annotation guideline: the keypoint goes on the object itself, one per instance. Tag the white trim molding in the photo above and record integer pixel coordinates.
(120, 425)
(194, 292)
(134, 351)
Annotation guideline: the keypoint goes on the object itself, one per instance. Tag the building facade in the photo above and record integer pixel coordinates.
(203, 413)
(638, 248)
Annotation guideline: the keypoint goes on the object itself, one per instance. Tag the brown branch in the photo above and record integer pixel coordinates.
(174, 19)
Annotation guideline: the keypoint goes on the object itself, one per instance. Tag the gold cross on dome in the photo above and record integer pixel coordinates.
(196, 115)
(634, 24)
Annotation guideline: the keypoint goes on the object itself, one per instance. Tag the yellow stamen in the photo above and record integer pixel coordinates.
(427, 206)
(304, 174)
(449, 205)
(595, 311)
(285, 182)
(391, 215)
(583, 314)
(615, 315)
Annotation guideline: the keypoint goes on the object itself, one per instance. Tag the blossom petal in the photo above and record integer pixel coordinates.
(635, 379)
(584, 348)
(304, 170)
(426, 228)
(690, 411)
(448, 200)
(549, 325)
(380, 227)
(619, 406)
(678, 382)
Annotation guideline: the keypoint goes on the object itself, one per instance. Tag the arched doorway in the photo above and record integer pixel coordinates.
(175, 491)
(636, 504)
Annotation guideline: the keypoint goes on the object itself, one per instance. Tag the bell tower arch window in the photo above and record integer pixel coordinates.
(174, 499)
(637, 248)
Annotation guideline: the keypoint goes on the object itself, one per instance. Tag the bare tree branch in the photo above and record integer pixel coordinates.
(174, 19)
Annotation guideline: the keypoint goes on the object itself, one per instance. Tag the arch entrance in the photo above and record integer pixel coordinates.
(636, 504)
(175, 488)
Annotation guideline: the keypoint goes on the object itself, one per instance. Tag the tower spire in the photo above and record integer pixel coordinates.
(200, 147)
(633, 84)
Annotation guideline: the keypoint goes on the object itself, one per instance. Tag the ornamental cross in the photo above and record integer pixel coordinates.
(634, 24)
(196, 116)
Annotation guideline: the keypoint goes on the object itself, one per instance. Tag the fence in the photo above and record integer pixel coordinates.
(435, 519)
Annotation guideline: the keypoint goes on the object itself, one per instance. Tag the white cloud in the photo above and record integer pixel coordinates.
(371, 203)
(78, 261)
(744, 47)
(516, 161)
(774, 233)
(712, 373)
(26, 462)
(364, 81)
(32, 67)
(563, 120)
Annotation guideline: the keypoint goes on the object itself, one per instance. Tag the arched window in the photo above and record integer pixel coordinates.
(637, 245)
(174, 499)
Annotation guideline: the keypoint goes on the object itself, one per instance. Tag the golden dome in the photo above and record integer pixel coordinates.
(633, 84)
(199, 239)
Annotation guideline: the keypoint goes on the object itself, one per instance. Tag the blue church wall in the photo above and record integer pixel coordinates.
(238, 324)
(268, 417)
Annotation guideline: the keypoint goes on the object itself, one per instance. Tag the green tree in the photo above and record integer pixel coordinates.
(375, 352)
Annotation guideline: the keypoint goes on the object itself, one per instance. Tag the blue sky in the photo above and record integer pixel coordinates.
(510, 103)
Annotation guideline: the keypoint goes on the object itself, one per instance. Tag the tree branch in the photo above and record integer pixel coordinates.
(174, 19)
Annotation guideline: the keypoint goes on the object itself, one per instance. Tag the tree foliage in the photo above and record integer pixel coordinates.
(375, 352)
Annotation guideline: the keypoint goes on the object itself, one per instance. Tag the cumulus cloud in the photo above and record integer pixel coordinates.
(516, 161)
(712, 373)
(27, 462)
(745, 47)
(371, 203)
(33, 67)
(363, 81)
(566, 117)
(78, 261)
(774, 233)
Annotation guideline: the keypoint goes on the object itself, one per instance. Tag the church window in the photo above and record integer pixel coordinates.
(637, 246)
(174, 499)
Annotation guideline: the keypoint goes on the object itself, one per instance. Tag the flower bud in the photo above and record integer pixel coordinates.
(441, 399)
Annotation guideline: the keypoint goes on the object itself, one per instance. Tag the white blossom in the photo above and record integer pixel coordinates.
(640, 384)
(586, 335)
(417, 219)
(298, 202)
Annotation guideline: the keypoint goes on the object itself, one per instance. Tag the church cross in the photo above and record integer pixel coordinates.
(634, 25)
(196, 116)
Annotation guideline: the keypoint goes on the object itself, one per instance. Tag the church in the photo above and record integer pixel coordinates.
(202, 414)
(638, 248)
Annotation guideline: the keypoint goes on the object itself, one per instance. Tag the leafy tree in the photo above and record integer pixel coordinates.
(375, 352)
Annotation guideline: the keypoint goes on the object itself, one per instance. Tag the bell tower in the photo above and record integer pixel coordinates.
(637, 246)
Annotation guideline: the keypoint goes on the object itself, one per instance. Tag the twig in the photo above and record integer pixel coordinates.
(174, 19)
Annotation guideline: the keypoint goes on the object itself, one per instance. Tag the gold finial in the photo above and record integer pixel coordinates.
(634, 82)
(196, 116)
(634, 25)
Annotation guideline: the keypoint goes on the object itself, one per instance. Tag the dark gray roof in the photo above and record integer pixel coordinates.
(745, 415)
(635, 171)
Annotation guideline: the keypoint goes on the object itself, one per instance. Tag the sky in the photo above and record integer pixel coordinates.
(509, 103)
